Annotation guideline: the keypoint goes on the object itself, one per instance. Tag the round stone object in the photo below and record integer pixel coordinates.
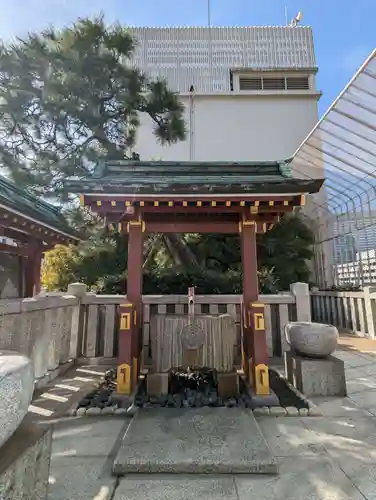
(192, 336)
(16, 391)
(315, 340)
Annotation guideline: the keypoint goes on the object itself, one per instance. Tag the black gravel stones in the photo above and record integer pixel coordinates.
(190, 389)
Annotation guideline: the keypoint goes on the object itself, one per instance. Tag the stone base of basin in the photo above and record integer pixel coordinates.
(316, 377)
(157, 384)
(228, 385)
(25, 463)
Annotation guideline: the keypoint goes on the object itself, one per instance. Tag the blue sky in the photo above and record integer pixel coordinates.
(344, 31)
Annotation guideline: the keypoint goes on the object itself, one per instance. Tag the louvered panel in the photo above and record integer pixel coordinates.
(297, 83)
(273, 83)
(250, 83)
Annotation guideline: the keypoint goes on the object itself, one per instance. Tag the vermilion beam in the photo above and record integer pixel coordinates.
(192, 227)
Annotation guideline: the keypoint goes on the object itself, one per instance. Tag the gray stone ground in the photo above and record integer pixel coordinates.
(325, 458)
(64, 392)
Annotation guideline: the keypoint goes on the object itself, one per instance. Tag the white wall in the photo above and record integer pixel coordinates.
(237, 128)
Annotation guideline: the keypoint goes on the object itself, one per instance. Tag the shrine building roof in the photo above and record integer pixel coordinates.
(160, 178)
(21, 203)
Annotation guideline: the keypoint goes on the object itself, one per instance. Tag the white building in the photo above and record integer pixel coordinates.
(254, 92)
(360, 272)
(361, 226)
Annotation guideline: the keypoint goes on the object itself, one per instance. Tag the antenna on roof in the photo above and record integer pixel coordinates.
(296, 20)
(209, 13)
(286, 15)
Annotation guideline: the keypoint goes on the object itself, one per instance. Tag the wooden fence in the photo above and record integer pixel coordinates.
(54, 328)
(101, 318)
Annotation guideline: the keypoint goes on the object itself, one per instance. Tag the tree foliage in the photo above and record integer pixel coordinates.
(283, 253)
(58, 267)
(287, 250)
(70, 98)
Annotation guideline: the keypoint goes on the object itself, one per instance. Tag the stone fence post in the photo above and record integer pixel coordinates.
(369, 308)
(302, 300)
(79, 290)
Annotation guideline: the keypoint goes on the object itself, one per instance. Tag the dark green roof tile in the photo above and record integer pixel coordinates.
(161, 177)
(19, 200)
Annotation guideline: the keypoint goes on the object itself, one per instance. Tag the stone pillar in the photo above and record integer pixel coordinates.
(79, 290)
(369, 310)
(254, 337)
(52, 329)
(303, 301)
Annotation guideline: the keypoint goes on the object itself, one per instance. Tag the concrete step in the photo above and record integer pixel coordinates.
(194, 441)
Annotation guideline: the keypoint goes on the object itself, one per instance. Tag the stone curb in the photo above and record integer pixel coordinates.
(109, 411)
(291, 411)
(264, 411)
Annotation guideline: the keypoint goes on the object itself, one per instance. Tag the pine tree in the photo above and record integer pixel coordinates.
(70, 98)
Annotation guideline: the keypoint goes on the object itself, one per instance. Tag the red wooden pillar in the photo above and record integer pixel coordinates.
(255, 353)
(32, 268)
(130, 313)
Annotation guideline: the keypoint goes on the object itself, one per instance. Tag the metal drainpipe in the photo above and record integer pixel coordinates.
(191, 124)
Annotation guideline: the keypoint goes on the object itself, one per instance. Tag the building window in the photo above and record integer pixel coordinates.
(250, 83)
(273, 83)
(297, 83)
(257, 83)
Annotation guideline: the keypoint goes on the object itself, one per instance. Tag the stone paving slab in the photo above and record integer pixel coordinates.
(197, 440)
(81, 478)
(290, 438)
(313, 479)
(354, 429)
(88, 438)
(357, 461)
(361, 383)
(353, 359)
(352, 373)
(372, 411)
(354, 344)
(143, 487)
(338, 407)
(364, 399)
(369, 369)
(306, 478)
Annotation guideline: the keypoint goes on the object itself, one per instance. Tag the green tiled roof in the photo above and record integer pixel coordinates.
(19, 200)
(153, 177)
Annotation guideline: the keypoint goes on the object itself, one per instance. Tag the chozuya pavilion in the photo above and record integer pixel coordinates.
(141, 197)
